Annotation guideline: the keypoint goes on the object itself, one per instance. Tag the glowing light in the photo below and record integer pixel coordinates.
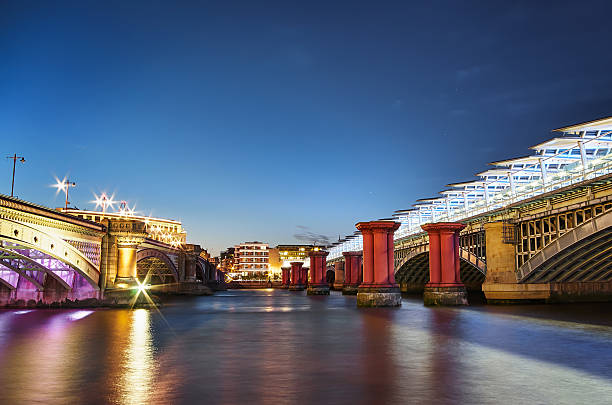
(141, 287)
(122, 285)
(104, 201)
(60, 185)
(75, 316)
(22, 312)
(125, 210)
(139, 367)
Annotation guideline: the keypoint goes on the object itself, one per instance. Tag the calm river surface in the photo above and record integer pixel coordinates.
(275, 346)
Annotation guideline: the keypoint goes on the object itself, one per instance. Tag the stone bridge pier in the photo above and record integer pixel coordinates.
(445, 286)
(378, 288)
(339, 275)
(353, 275)
(125, 236)
(286, 277)
(297, 274)
(318, 265)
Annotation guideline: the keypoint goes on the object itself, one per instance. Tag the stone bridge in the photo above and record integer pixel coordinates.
(50, 256)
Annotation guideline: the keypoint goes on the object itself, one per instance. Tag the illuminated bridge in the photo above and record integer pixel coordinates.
(49, 256)
(534, 227)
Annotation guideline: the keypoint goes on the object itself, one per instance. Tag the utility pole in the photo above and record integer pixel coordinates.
(22, 160)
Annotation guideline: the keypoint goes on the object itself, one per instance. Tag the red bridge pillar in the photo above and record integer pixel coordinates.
(352, 272)
(318, 267)
(378, 288)
(445, 286)
(296, 277)
(339, 274)
(286, 277)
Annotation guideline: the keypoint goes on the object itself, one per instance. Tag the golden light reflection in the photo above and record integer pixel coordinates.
(139, 368)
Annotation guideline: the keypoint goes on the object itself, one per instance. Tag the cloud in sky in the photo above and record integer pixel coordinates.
(304, 235)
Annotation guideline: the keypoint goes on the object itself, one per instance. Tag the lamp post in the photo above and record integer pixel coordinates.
(66, 184)
(22, 160)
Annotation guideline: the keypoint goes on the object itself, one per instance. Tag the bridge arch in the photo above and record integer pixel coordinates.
(35, 254)
(412, 268)
(200, 272)
(584, 254)
(154, 265)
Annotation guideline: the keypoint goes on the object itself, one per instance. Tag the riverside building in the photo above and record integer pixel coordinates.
(251, 261)
(294, 253)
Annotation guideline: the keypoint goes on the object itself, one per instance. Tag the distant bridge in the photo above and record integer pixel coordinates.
(49, 256)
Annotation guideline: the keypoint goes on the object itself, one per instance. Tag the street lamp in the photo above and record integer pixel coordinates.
(64, 185)
(22, 160)
(104, 201)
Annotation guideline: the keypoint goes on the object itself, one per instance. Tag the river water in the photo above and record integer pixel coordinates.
(281, 347)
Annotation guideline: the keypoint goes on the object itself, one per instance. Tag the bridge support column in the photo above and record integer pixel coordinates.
(126, 266)
(296, 277)
(339, 275)
(190, 269)
(286, 277)
(352, 272)
(500, 284)
(304, 274)
(378, 288)
(318, 267)
(445, 286)
(128, 235)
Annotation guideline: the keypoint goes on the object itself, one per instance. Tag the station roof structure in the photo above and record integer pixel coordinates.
(581, 151)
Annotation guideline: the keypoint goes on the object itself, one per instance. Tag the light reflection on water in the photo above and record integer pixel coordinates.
(138, 368)
(284, 347)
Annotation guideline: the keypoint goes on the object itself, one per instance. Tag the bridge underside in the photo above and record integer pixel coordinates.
(589, 260)
(28, 274)
(414, 274)
(155, 271)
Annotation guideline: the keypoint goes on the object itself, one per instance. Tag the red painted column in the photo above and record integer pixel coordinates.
(352, 272)
(390, 257)
(378, 287)
(368, 252)
(445, 286)
(447, 257)
(286, 277)
(458, 261)
(381, 263)
(435, 272)
(339, 274)
(318, 267)
(357, 277)
(296, 276)
(348, 268)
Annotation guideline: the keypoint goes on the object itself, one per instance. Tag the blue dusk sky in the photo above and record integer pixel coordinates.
(285, 121)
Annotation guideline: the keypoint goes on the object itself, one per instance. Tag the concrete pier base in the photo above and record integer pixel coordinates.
(318, 290)
(455, 295)
(507, 293)
(349, 290)
(379, 297)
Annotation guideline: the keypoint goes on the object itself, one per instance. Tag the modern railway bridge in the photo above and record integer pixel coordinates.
(50, 256)
(537, 227)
